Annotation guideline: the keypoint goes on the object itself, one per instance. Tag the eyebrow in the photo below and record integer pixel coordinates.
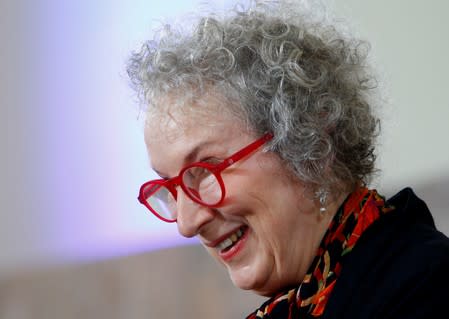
(188, 159)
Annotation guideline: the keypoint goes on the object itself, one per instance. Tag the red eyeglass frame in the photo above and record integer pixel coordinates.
(215, 169)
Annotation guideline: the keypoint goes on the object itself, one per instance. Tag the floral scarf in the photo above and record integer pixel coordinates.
(360, 209)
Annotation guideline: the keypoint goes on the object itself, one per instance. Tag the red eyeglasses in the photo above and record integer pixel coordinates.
(200, 181)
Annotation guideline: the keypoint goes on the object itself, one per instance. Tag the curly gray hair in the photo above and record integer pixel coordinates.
(302, 80)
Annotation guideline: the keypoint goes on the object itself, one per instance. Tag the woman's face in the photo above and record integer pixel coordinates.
(273, 225)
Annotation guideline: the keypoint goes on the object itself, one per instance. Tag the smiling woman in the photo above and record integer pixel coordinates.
(261, 203)
(261, 124)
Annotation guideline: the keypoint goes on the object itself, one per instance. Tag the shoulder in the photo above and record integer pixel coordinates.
(397, 269)
(407, 233)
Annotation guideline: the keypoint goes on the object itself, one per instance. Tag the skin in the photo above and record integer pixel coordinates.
(282, 221)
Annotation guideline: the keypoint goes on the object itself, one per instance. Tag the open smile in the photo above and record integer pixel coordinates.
(229, 247)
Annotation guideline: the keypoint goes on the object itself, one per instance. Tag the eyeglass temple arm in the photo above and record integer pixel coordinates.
(245, 151)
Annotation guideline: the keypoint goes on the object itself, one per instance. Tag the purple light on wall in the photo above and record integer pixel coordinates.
(92, 158)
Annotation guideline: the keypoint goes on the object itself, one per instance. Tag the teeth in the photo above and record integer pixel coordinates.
(230, 240)
(225, 244)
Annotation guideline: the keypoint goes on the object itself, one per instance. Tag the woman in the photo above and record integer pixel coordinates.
(261, 126)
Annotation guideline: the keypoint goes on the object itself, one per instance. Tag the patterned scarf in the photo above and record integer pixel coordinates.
(360, 209)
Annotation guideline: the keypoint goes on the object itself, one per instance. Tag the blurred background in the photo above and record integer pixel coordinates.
(74, 241)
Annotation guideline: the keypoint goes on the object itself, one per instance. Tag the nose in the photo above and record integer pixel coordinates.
(191, 217)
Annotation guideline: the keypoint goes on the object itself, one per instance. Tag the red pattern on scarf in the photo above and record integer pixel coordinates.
(360, 210)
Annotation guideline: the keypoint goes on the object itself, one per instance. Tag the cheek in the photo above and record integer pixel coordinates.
(258, 191)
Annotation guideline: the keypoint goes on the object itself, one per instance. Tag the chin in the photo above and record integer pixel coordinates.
(266, 286)
(242, 278)
(246, 279)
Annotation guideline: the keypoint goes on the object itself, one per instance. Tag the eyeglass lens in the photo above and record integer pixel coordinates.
(199, 183)
(161, 200)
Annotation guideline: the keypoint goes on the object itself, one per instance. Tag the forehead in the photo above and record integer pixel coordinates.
(177, 126)
(184, 115)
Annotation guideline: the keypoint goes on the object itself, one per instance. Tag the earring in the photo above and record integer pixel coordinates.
(322, 197)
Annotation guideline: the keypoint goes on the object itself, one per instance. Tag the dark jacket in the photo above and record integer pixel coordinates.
(399, 268)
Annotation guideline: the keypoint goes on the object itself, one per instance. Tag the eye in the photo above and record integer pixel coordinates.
(197, 172)
(212, 160)
(193, 176)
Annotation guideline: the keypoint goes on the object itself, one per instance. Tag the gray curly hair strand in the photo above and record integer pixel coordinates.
(302, 80)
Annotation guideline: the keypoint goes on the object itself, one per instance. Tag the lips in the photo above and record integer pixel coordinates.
(231, 240)
(235, 247)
